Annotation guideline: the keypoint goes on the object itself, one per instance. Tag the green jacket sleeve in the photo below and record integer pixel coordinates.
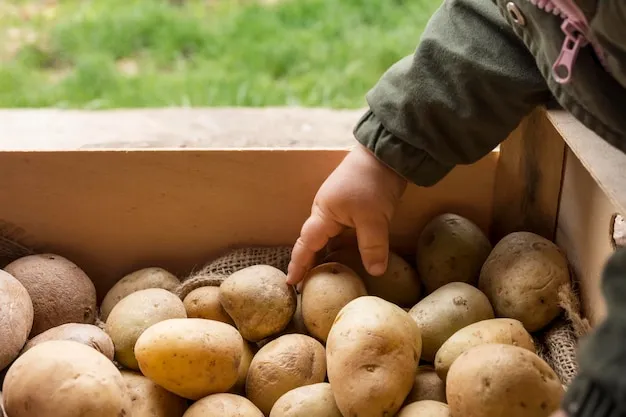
(468, 85)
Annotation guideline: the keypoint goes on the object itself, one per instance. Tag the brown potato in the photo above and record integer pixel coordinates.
(373, 350)
(505, 331)
(87, 334)
(60, 291)
(16, 318)
(425, 408)
(496, 380)
(223, 405)
(249, 350)
(326, 289)
(399, 285)
(139, 280)
(204, 303)
(445, 311)
(259, 301)
(150, 400)
(58, 377)
(289, 362)
(450, 248)
(427, 386)
(314, 400)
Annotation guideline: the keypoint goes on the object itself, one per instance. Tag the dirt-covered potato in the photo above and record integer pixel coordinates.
(259, 301)
(450, 248)
(249, 350)
(16, 318)
(286, 363)
(192, 358)
(150, 400)
(427, 386)
(326, 289)
(134, 314)
(223, 405)
(504, 331)
(445, 311)
(204, 303)
(373, 350)
(60, 291)
(142, 279)
(314, 400)
(62, 378)
(425, 408)
(497, 380)
(399, 285)
(87, 334)
(522, 277)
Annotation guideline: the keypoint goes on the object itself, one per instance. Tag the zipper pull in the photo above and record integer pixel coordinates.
(574, 40)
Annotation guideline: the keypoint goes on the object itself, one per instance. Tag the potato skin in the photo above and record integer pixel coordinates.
(16, 318)
(150, 400)
(399, 285)
(450, 248)
(496, 380)
(326, 289)
(204, 303)
(503, 331)
(249, 350)
(445, 311)
(141, 279)
(286, 363)
(522, 277)
(425, 408)
(87, 334)
(259, 301)
(427, 386)
(314, 400)
(373, 350)
(77, 379)
(223, 405)
(179, 354)
(60, 291)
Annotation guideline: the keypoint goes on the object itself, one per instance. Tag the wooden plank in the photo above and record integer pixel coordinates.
(528, 179)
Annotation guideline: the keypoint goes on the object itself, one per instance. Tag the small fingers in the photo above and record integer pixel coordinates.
(373, 239)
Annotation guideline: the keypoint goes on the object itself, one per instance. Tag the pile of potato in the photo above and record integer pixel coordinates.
(449, 337)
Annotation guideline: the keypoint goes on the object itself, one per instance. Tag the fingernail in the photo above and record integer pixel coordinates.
(377, 269)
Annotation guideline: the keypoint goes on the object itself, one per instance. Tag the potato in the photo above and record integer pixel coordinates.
(63, 378)
(373, 350)
(259, 301)
(289, 362)
(2, 413)
(150, 400)
(445, 311)
(425, 408)
(497, 380)
(246, 359)
(16, 318)
(327, 289)
(399, 285)
(204, 303)
(192, 358)
(139, 280)
(522, 277)
(504, 331)
(87, 334)
(450, 248)
(314, 400)
(223, 405)
(134, 314)
(427, 386)
(60, 291)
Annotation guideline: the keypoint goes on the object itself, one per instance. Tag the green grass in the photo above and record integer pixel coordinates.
(205, 53)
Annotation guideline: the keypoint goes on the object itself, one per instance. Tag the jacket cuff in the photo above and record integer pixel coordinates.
(586, 398)
(414, 164)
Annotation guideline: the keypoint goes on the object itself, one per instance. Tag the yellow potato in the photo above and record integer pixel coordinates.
(505, 331)
(150, 400)
(204, 303)
(139, 280)
(289, 362)
(192, 358)
(373, 350)
(427, 386)
(497, 380)
(16, 318)
(134, 314)
(327, 289)
(314, 400)
(425, 408)
(87, 334)
(223, 405)
(61, 378)
(246, 359)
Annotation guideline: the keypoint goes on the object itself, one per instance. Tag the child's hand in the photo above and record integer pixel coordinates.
(362, 193)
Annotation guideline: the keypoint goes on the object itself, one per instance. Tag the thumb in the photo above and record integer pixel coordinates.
(373, 239)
